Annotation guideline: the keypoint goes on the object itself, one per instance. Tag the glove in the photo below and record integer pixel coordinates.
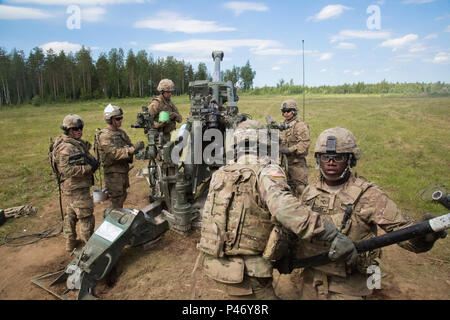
(138, 146)
(285, 151)
(341, 246)
(172, 116)
(92, 162)
(427, 241)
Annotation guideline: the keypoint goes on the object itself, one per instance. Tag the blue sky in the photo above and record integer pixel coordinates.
(345, 41)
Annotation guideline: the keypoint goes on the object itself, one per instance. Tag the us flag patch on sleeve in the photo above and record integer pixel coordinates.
(105, 143)
(65, 152)
(277, 174)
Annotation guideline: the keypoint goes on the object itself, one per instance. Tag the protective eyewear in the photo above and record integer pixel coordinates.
(338, 158)
(118, 118)
(77, 129)
(287, 110)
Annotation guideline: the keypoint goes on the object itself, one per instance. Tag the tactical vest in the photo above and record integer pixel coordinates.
(333, 207)
(165, 106)
(118, 140)
(69, 183)
(289, 138)
(234, 220)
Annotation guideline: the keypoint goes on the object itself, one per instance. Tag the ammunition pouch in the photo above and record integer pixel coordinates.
(277, 245)
(225, 270)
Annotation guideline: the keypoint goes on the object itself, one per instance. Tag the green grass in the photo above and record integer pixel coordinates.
(403, 141)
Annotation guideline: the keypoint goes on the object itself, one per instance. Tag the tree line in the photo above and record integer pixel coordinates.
(48, 77)
(383, 87)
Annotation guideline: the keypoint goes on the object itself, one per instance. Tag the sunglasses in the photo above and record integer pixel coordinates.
(118, 118)
(286, 110)
(338, 158)
(77, 129)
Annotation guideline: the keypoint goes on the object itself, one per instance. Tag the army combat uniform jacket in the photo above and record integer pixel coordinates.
(116, 153)
(76, 181)
(297, 139)
(159, 104)
(244, 203)
(369, 208)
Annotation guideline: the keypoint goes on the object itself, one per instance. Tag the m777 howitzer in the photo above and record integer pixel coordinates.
(436, 225)
(179, 171)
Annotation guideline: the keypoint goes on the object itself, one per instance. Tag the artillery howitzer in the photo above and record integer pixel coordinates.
(178, 171)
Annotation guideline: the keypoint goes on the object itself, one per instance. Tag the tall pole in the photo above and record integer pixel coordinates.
(303, 48)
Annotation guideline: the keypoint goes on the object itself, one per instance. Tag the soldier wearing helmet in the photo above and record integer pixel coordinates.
(294, 143)
(115, 152)
(162, 103)
(75, 178)
(248, 209)
(357, 207)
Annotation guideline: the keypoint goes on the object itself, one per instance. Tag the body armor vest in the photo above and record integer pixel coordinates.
(234, 220)
(333, 208)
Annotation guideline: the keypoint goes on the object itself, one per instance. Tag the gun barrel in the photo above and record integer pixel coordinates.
(433, 225)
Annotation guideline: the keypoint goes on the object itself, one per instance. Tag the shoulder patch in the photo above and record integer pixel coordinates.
(105, 143)
(65, 152)
(277, 174)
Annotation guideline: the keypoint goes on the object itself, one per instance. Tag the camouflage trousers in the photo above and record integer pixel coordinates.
(316, 285)
(117, 184)
(79, 208)
(252, 288)
(298, 177)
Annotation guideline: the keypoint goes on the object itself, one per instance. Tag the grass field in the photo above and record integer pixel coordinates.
(404, 141)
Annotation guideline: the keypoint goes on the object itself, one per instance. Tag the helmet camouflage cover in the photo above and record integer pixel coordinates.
(72, 121)
(345, 142)
(111, 111)
(289, 104)
(166, 85)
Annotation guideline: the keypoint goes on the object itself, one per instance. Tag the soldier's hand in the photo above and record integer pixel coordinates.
(343, 247)
(138, 146)
(172, 116)
(94, 164)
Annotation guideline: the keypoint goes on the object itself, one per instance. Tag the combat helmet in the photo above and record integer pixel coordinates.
(111, 111)
(251, 136)
(166, 85)
(289, 104)
(71, 121)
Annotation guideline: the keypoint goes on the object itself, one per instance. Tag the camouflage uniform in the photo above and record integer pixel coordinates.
(116, 153)
(370, 208)
(159, 104)
(297, 140)
(76, 181)
(246, 200)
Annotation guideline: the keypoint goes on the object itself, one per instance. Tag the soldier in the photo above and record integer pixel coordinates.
(163, 103)
(355, 206)
(295, 145)
(75, 168)
(116, 153)
(247, 201)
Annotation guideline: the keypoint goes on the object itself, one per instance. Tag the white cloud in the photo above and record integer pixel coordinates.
(357, 73)
(442, 57)
(203, 47)
(397, 43)
(431, 36)
(326, 56)
(58, 46)
(446, 16)
(417, 1)
(346, 46)
(276, 68)
(448, 29)
(323, 70)
(19, 13)
(381, 2)
(328, 12)
(173, 22)
(79, 2)
(239, 7)
(133, 43)
(360, 34)
(92, 14)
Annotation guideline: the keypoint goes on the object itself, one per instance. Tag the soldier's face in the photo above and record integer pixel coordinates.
(333, 168)
(75, 133)
(288, 114)
(167, 95)
(117, 121)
